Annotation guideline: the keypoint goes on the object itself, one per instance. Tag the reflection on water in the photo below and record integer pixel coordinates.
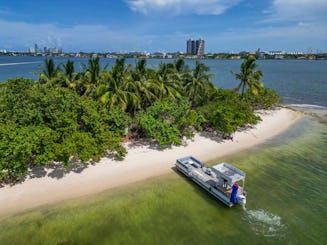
(264, 223)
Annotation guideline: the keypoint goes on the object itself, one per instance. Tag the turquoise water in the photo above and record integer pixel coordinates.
(286, 184)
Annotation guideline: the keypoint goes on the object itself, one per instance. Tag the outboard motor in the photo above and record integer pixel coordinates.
(241, 199)
(233, 196)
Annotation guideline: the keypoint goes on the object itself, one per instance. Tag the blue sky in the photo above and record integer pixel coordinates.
(164, 25)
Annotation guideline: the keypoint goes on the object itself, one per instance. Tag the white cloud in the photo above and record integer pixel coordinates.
(297, 37)
(297, 28)
(294, 23)
(297, 10)
(177, 7)
(22, 35)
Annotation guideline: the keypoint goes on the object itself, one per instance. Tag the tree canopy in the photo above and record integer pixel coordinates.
(84, 115)
(249, 77)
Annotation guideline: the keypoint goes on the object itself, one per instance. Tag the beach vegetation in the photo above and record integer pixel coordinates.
(85, 115)
(166, 121)
(69, 73)
(249, 77)
(41, 124)
(197, 84)
(264, 99)
(49, 71)
(228, 112)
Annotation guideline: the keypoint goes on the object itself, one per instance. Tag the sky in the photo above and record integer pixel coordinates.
(164, 25)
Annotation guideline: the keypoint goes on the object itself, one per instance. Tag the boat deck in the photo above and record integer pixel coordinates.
(211, 180)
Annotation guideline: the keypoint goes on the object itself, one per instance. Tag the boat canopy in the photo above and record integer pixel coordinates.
(228, 172)
(190, 160)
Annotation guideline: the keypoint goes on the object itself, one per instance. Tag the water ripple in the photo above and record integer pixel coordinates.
(19, 63)
(265, 223)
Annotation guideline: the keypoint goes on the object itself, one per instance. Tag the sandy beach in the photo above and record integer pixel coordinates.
(142, 162)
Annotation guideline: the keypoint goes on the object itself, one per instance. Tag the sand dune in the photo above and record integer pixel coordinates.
(142, 162)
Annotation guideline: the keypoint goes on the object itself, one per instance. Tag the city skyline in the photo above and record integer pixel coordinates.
(159, 25)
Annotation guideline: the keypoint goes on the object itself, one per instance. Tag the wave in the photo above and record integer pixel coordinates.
(20, 63)
(308, 106)
(264, 223)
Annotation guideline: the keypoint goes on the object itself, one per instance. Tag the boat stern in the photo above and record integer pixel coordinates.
(241, 199)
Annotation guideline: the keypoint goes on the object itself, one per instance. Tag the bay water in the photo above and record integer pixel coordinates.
(286, 184)
(296, 81)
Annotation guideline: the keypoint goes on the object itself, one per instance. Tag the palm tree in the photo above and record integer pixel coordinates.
(180, 66)
(163, 83)
(248, 76)
(197, 83)
(49, 71)
(140, 70)
(69, 70)
(141, 83)
(179, 72)
(92, 72)
(118, 70)
(117, 88)
(68, 77)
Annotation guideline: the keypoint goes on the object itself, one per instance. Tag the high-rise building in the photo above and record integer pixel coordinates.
(200, 47)
(195, 47)
(35, 48)
(189, 46)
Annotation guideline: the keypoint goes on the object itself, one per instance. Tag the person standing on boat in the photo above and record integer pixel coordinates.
(233, 195)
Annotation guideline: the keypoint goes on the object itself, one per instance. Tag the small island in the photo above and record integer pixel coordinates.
(59, 125)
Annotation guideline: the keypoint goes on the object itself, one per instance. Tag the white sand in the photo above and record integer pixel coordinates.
(141, 163)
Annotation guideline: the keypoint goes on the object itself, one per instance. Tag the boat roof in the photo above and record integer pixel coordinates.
(228, 172)
(190, 160)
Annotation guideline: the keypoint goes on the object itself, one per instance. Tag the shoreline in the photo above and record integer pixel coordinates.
(142, 162)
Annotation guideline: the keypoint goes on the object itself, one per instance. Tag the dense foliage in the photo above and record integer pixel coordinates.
(228, 112)
(166, 121)
(86, 114)
(39, 125)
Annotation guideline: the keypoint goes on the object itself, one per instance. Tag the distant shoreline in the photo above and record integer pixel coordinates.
(142, 162)
(174, 55)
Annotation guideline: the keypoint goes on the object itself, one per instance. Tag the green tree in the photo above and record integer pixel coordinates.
(117, 88)
(265, 99)
(180, 66)
(21, 147)
(49, 71)
(84, 115)
(69, 70)
(142, 84)
(228, 112)
(168, 120)
(39, 124)
(197, 84)
(163, 85)
(92, 74)
(92, 70)
(249, 77)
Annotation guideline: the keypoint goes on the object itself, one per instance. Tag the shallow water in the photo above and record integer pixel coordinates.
(286, 184)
